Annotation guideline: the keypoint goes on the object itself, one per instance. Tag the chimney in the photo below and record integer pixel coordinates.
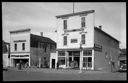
(100, 27)
(41, 33)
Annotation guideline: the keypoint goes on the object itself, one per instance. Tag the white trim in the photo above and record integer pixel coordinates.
(93, 59)
(56, 59)
(29, 61)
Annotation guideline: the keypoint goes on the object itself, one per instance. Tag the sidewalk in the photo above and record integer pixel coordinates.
(65, 71)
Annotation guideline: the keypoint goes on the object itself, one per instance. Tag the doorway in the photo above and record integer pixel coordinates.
(53, 63)
(74, 59)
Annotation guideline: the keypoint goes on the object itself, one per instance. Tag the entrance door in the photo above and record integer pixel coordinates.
(87, 62)
(74, 57)
(53, 63)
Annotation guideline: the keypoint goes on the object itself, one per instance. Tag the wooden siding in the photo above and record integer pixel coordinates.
(110, 48)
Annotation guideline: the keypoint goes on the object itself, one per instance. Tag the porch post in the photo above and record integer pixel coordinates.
(29, 60)
(67, 59)
(92, 60)
(10, 62)
(81, 60)
(56, 60)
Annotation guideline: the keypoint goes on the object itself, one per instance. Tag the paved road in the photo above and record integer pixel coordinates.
(47, 74)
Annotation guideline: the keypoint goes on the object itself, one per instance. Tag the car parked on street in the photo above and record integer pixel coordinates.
(123, 68)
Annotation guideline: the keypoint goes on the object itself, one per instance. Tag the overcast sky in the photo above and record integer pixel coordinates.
(40, 17)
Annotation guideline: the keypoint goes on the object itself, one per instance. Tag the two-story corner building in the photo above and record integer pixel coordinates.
(32, 50)
(82, 45)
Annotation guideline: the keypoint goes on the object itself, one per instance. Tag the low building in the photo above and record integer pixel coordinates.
(82, 45)
(32, 50)
(6, 53)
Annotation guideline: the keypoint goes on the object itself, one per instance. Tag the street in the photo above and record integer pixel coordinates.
(49, 75)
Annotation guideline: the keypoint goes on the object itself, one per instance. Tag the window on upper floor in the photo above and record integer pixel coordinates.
(23, 46)
(65, 40)
(15, 47)
(65, 24)
(83, 38)
(82, 21)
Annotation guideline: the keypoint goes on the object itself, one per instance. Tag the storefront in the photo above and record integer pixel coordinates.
(23, 59)
(71, 59)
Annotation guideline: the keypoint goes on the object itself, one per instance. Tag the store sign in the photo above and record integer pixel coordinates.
(73, 40)
(20, 41)
(97, 47)
(19, 55)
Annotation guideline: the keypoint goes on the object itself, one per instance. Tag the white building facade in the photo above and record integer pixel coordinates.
(75, 40)
(19, 46)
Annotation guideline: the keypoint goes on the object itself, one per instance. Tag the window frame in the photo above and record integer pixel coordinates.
(87, 53)
(65, 24)
(83, 40)
(65, 40)
(83, 22)
(15, 46)
(87, 63)
(23, 46)
(61, 53)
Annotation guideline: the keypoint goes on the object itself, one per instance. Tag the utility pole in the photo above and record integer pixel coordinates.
(81, 57)
(73, 7)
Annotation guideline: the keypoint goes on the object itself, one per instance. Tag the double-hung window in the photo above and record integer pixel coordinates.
(65, 40)
(65, 24)
(82, 21)
(15, 47)
(83, 38)
(23, 46)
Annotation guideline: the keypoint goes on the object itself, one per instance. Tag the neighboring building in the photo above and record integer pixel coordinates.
(6, 53)
(32, 50)
(82, 45)
(122, 57)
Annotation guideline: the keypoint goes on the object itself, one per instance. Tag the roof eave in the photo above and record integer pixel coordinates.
(73, 14)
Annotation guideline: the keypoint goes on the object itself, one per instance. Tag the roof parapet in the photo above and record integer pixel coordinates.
(21, 30)
(77, 13)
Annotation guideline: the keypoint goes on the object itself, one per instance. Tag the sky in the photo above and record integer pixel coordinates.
(41, 17)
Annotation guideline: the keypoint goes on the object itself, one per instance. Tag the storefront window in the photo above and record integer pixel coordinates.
(74, 53)
(87, 53)
(70, 53)
(87, 61)
(61, 53)
(61, 60)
